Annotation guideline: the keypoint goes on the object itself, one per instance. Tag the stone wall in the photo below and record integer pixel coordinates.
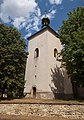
(66, 111)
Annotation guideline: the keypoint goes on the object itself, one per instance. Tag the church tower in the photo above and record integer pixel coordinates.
(45, 78)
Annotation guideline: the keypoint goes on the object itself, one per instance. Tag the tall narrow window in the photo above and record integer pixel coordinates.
(55, 52)
(36, 53)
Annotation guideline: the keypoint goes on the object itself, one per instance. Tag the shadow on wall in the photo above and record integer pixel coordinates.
(57, 82)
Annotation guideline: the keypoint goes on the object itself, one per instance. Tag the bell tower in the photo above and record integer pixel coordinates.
(43, 48)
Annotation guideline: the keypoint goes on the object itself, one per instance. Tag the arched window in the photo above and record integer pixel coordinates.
(55, 52)
(36, 53)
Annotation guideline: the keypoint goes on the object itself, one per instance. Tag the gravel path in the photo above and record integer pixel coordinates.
(35, 101)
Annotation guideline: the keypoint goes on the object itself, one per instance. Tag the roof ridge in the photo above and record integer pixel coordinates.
(44, 28)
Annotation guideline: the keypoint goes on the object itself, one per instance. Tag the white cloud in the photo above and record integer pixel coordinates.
(16, 8)
(55, 1)
(5, 17)
(34, 20)
(29, 26)
(18, 22)
(25, 13)
(21, 13)
(36, 23)
(51, 14)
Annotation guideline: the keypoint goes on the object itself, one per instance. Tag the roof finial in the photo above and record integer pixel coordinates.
(45, 13)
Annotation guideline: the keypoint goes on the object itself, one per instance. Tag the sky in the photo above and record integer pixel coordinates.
(26, 15)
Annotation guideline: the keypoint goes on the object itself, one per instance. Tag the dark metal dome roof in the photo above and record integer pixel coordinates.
(45, 21)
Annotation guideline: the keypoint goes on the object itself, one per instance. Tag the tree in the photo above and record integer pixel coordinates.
(12, 61)
(72, 38)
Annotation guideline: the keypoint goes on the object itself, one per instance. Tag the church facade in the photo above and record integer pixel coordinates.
(45, 77)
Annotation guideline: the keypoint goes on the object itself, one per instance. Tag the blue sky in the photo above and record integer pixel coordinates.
(26, 15)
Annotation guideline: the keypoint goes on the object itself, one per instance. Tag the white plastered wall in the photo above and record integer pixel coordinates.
(41, 66)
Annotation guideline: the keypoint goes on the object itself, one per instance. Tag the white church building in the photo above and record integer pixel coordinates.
(45, 77)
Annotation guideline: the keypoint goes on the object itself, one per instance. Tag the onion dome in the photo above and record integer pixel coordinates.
(45, 21)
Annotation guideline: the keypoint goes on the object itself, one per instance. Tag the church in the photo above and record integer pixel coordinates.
(45, 76)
